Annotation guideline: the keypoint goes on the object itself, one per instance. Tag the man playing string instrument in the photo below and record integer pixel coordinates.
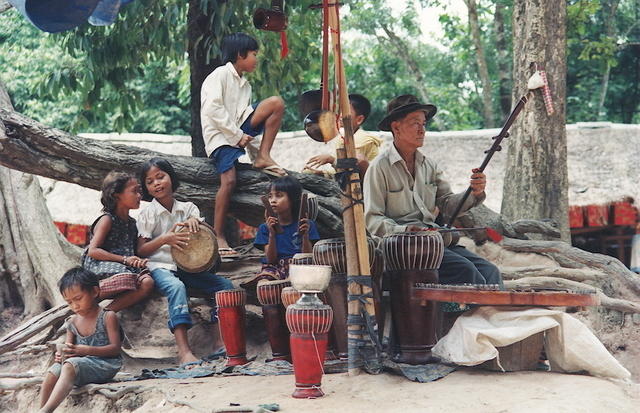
(404, 190)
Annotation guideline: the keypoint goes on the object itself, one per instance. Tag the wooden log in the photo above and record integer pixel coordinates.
(35, 148)
(34, 326)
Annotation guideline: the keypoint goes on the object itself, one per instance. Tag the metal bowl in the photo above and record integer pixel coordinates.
(310, 278)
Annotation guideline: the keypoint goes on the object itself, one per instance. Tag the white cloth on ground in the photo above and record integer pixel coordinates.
(570, 346)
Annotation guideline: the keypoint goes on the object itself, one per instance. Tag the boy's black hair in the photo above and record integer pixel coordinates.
(84, 279)
(114, 183)
(163, 165)
(293, 189)
(361, 105)
(237, 44)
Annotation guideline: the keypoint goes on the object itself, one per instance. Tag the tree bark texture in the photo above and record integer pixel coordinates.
(481, 61)
(33, 254)
(504, 79)
(536, 182)
(34, 148)
(201, 64)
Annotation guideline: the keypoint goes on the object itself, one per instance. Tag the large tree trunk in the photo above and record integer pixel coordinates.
(535, 184)
(504, 80)
(481, 61)
(34, 148)
(201, 64)
(33, 255)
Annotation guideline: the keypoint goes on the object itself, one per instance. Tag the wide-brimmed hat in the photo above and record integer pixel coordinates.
(401, 106)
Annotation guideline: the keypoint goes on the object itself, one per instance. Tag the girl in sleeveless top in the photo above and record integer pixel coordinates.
(112, 250)
(91, 353)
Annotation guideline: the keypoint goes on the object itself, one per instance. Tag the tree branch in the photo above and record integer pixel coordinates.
(38, 149)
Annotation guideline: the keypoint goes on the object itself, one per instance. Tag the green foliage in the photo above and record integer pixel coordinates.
(134, 75)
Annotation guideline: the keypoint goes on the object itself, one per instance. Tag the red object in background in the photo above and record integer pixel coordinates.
(62, 227)
(576, 216)
(597, 215)
(246, 231)
(78, 234)
(623, 213)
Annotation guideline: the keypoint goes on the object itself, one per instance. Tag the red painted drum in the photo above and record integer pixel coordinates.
(289, 296)
(332, 252)
(231, 314)
(410, 258)
(309, 325)
(270, 296)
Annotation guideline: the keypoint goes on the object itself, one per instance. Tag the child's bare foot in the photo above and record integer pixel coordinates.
(269, 166)
(187, 360)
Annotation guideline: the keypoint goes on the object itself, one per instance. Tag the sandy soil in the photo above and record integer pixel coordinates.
(467, 390)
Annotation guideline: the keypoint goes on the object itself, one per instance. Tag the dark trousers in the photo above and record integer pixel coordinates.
(461, 266)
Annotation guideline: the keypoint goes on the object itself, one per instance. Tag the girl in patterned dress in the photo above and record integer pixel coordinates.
(111, 254)
(91, 353)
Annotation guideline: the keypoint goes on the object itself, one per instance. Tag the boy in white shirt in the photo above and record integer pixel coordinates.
(230, 122)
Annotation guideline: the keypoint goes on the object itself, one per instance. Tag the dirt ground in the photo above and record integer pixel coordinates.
(467, 390)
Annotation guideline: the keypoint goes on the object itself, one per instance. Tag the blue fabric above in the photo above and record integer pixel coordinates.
(56, 15)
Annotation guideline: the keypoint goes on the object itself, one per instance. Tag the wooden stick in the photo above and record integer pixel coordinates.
(304, 207)
(33, 327)
(357, 250)
(271, 212)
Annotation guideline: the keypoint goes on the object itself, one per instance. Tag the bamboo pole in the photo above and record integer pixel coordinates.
(357, 249)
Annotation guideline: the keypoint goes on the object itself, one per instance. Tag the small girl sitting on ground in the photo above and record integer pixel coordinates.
(296, 237)
(91, 353)
(157, 226)
(111, 254)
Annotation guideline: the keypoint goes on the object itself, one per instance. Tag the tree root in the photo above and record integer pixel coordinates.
(624, 306)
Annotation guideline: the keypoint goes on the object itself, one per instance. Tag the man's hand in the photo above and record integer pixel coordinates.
(319, 160)
(245, 140)
(478, 182)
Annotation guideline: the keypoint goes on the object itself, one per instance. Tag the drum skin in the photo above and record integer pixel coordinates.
(411, 258)
(201, 253)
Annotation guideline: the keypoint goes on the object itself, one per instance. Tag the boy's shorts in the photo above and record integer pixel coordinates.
(90, 369)
(246, 125)
(226, 157)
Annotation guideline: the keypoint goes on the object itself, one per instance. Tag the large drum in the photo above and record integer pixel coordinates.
(309, 325)
(269, 295)
(412, 258)
(332, 252)
(202, 252)
(231, 313)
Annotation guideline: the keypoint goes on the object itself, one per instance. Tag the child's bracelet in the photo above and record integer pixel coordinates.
(124, 259)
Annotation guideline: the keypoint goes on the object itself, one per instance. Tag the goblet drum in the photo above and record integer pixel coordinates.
(270, 297)
(332, 252)
(231, 313)
(309, 325)
(410, 258)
